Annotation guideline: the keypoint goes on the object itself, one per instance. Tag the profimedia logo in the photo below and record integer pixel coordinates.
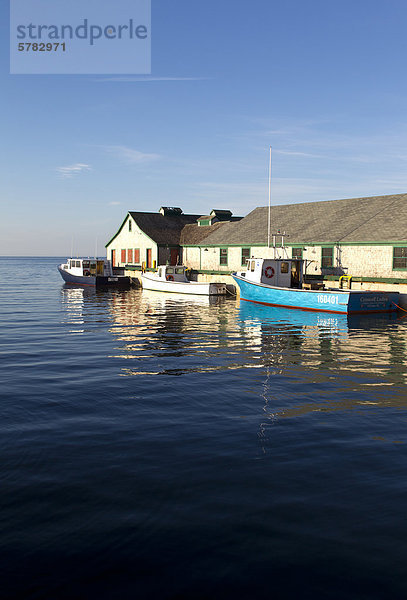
(50, 37)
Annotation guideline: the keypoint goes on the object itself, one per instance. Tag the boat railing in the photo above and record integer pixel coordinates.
(345, 282)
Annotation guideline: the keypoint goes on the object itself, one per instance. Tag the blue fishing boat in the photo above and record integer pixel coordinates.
(279, 282)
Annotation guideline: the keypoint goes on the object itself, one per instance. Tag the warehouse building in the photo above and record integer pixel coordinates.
(362, 237)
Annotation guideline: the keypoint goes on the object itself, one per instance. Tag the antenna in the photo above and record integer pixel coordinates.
(269, 212)
(96, 248)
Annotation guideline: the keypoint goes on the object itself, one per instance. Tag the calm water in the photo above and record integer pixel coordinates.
(159, 447)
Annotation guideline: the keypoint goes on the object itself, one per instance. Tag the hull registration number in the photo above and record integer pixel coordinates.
(327, 299)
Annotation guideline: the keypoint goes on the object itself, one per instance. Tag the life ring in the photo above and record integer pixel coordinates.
(86, 273)
(169, 278)
(269, 272)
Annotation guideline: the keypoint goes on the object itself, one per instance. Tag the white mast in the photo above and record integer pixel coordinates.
(269, 215)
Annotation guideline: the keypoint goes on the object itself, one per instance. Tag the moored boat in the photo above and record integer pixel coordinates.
(173, 279)
(279, 282)
(91, 272)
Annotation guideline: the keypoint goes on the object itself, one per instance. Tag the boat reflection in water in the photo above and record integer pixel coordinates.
(157, 298)
(170, 334)
(324, 363)
(296, 354)
(307, 321)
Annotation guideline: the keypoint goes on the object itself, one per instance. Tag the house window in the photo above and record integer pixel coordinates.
(137, 256)
(245, 256)
(327, 257)
(223, 256)
(129, 225)
(296, 253)
(130, 255)
(123, 256)
(400, 257)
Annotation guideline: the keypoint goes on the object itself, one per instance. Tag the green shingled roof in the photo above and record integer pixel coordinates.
(374, 219)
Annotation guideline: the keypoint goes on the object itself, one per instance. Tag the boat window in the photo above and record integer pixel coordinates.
(170, 271)
(179, 270)
(86, 264)
(284, 267)
(72, 263)
(78, 263)
(252, 265)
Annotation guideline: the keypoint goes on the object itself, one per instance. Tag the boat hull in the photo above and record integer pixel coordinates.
(181, 287)
(99, 281)
(332, 301)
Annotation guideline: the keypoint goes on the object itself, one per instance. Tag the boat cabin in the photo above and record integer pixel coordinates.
(88, 267)
(279, 272)
(169, 273)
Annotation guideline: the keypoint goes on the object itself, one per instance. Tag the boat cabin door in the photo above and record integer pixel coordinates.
(295, 273)
(99, 267)
(174, 260)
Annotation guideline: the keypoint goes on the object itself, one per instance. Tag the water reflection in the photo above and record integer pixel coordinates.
(170, 333)
(83, 308)
(72, 304)
(309, 361)
(339, 363)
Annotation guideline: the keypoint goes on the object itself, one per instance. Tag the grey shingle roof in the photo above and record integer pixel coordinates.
(194, 234)
(163, 229)
(374, 219)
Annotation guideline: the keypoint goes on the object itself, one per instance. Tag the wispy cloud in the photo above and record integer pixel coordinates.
(131, 156)
(71, 170)
(114, 203)
(300, 154)
(147, 79)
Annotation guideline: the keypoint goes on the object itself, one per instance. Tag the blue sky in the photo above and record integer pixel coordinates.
(323, 83)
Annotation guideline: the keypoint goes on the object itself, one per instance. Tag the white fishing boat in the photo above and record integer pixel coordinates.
(173, 279)
(91, 272)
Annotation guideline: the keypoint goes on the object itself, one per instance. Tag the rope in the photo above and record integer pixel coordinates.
(403, 309)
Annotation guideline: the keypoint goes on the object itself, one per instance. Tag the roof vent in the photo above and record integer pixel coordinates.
(206, 220)
(170, 211)
(222, 215)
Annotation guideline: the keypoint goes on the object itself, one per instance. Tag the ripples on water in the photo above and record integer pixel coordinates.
(155, 446)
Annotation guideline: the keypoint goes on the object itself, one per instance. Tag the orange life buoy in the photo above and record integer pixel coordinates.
(169, 278)
(269, 272)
